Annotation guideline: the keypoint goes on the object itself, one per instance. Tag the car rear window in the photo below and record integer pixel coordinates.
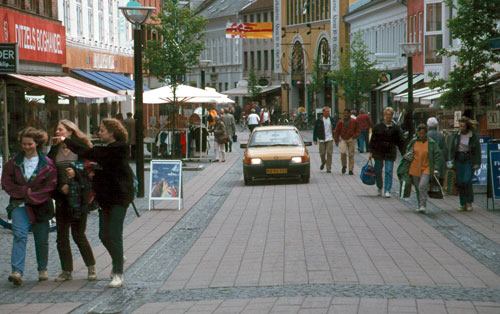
(275, 138)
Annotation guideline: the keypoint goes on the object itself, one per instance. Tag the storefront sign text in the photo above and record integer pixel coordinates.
(9, 58)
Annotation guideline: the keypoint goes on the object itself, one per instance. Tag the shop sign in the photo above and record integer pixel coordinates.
(9, 58)
(493, 119)
(277, 36)
(38, 40)
(103, 61)
(456, 119)
(494, 161)
(481, 175)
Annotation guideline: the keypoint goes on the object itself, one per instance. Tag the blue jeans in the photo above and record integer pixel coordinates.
(363, 141)
(20, 229)
(463, 167)
(389, 166)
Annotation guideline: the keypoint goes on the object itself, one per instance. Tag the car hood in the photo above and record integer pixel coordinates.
(276, 153)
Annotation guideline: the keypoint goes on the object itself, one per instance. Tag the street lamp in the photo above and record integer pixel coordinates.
(203, 65)
(327, 68)
(136, 14)
(409, 49)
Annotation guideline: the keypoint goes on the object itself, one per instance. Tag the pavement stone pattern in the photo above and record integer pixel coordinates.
(330, 246)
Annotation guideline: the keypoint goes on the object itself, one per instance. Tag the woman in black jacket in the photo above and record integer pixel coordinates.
(69, 215)
(114, 187)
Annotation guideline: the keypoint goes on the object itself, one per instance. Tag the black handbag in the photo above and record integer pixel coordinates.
(435, 188)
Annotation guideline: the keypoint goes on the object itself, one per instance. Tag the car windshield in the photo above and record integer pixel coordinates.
(265, 138)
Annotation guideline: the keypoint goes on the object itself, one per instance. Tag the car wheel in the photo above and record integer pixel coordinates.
(247, 180)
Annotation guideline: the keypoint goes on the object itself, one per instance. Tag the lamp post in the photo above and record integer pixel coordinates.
(203, 65)
(409, 49)
(136, 14)
(327, 68)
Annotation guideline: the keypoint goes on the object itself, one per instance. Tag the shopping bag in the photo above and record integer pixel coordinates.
(405, 189)
(450, 181)
(435, 189)
(367, 175)
(235, 138)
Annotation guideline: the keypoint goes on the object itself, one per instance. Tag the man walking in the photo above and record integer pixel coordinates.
(230, 124)
(365, 124)
(346, 131)
(323, 131)
(129, 124)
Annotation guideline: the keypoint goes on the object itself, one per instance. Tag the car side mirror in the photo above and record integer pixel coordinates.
(243, 145)
(308, 143)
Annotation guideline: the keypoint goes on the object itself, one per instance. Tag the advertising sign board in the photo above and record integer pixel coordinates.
(481, 175)
(165, 180)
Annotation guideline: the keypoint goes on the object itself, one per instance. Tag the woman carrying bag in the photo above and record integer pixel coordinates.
(421, 160)
(29, 179)
(114, 186)
(68, 215)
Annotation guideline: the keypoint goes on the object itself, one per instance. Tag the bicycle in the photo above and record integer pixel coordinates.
(283, 120)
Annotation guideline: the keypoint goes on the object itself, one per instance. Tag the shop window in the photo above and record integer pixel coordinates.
(79, 24)
(432, 44)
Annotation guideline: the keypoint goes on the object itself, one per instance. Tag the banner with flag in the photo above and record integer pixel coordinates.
(249, 30)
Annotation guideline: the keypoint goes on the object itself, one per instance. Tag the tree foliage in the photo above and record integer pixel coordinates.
(253, 86)
(356, 75)
(181, 36)
(476, 22)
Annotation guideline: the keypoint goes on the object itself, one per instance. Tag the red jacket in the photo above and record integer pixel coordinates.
(364, 121)
(351, 132)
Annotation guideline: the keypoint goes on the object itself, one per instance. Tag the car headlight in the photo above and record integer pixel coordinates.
(297, 160)
(255, 161)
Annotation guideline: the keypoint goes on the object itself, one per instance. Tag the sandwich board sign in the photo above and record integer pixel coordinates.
(165, 181)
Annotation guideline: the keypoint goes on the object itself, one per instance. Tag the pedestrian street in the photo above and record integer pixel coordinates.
(329, 246)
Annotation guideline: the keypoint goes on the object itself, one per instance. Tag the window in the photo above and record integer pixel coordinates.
(289, 5)
(410, 31)
(432, 44)
(100, 15)
(244, 18)
(226, 86)
(111, 28)
(252, 59)
(264, 17)
(259, 60)
(90, 21)
(47, 7)
(415, 39)
(266, 60)
(420, 21)
(66, 16)
(251, 18)
(220, 87)
(434, 17)
(433, 33)
(258, 17)
(79, 26)
(245, 61)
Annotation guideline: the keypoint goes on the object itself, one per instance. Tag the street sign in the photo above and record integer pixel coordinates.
(481, 175)
(493, 119)
(9, 58)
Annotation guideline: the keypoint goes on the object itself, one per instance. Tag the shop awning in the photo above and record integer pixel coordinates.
(243, 91)
(397, 79)
(403, 82)
(71, 87)
(113, 81)
(420, 94)
(403, 87)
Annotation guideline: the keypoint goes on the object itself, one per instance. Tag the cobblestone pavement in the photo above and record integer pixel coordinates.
(330, 246)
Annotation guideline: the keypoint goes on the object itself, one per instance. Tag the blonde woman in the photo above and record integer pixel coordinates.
(68, 214)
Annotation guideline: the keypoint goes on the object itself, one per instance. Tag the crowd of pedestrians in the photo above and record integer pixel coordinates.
(425, 157)
(72, 171)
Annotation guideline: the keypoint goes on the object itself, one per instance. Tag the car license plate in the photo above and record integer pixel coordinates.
(277, 171)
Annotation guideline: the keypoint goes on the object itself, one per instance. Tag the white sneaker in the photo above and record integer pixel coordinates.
(117, 281)
(421, 210)
(379, 192)
(387, 194)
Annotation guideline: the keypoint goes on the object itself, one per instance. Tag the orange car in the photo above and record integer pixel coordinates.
(274, 152)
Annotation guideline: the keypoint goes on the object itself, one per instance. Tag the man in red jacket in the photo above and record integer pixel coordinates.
(346, 131)
(365, 124)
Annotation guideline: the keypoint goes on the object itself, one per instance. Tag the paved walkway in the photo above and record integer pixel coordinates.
(330, 246)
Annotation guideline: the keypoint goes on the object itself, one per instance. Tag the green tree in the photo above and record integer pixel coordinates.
(253, 86)
(181, 36)
(317, 82)
(475, 23)
(356, 75)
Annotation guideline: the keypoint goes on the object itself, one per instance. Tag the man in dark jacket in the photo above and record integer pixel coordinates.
(323, 131)
(386, 138)
(346, 131)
